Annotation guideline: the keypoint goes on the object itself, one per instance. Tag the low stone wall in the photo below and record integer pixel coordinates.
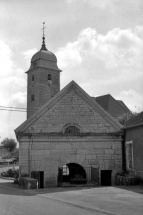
(28, 183)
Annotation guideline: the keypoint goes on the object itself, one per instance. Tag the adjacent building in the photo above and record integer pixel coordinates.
(134, 145)
(116, 108)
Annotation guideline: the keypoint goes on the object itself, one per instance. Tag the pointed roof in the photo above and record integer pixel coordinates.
(43, 42)
(44, 53)
(58, 96)
(115, 107)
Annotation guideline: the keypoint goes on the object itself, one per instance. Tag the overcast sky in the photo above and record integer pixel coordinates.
(98, 44)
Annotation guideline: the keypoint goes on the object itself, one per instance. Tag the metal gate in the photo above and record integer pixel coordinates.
(95, 175)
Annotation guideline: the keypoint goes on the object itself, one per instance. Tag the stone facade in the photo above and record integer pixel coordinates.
(49, 153)
(44, 146)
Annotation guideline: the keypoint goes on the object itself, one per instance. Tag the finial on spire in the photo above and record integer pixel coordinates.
(43, 43)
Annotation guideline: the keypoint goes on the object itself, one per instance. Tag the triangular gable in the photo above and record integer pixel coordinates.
(72, 85)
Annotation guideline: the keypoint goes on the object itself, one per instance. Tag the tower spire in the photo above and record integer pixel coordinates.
(43, 42)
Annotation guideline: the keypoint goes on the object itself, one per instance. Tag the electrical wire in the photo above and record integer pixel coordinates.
(12, 107)
(13, 110)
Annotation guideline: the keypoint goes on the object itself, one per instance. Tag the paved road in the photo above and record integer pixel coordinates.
(19, 202)
(70, 201)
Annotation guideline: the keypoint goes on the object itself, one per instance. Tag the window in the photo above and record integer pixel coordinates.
(32, 98)
(49, 77)
(129, 155)
(65, 170)
(71, 129)
(32, 77)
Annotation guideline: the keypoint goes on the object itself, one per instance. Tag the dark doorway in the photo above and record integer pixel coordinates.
(41, 179)
(74, 174)
(95, 175)
(106, 177)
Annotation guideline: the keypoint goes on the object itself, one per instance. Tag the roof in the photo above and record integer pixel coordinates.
(115, 107)
(44, 54)
(135, 121)
(41, 111)
(123, 105)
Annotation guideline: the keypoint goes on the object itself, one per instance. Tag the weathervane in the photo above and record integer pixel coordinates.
(43, 44)
(43, 29)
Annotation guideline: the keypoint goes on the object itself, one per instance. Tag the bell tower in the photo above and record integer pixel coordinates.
(43, 78)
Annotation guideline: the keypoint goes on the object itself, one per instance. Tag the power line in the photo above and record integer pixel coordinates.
(12, 110)
(12, 107)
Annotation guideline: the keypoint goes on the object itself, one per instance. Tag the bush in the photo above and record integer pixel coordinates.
(12, 173)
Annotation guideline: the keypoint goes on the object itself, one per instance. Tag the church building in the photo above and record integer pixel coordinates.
(67, 137)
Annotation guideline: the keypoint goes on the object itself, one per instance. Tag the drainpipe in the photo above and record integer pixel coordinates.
(29, 156)
(123, 153)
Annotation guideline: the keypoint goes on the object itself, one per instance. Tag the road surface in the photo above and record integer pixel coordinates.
(69, 201)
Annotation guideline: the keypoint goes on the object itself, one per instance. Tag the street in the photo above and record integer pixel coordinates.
(71, 201)
(14, 201)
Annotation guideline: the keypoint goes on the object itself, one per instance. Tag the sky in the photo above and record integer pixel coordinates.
(98, 44)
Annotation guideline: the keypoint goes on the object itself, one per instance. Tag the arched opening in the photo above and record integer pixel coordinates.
(71, 129)
(74, 174)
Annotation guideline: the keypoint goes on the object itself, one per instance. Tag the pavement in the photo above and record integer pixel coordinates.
(122, 200)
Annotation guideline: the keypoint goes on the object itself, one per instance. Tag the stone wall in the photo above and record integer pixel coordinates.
(46, 154)
(40, 88)
(71, 108)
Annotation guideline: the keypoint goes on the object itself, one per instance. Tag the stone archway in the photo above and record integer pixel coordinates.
(74, 173)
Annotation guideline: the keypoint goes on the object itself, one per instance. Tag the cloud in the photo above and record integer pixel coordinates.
(118, 49)
(6, 63)
(92, 3)
(18, 99)
(73, 53)
(12, 91)
(69, 56)
(134, 100)
(102, 64)
(139, 31)
(111, 5)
